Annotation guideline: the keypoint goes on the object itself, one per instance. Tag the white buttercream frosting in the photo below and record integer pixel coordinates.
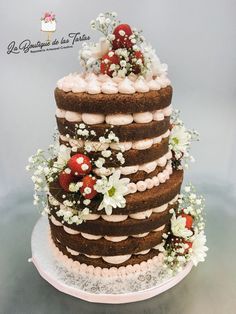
(123, 146)
(55, 222)
(70, 231)
(141, 215)
(78, 83)
(143, 117)
(93, 87)
(109, 87)
(92, 118)
(141, 85)
(143, 144)
(60, 113)
(72, 116)
(154, 85)
(119, 259)
(72, 252)
(115, 239)
(114, 218)
(90, 236)
(119, 119)
(126, 86)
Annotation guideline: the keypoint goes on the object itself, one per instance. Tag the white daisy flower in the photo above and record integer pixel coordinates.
(113, 189)
(179, 139)
(63, 156)
(199, 248)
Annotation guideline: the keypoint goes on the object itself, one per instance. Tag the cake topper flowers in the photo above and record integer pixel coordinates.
(122, 51)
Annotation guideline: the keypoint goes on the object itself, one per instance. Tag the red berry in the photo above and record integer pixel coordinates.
(122, 33)
(90, 192)
(65, 179)
(178, 241)
(107, 61)
(80, 164)
(136, 56)
(189, 220)
(190, 244)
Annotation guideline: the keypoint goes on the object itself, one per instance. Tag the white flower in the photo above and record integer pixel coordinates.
(156, 67)
(199, 248)
(187, 189)
(100, 162)
(113, 190)
(100, 49)
(82, 215)
(178, 227)
(63, 157)
(179, 139)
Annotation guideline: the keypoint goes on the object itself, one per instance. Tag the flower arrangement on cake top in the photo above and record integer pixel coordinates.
(121, 61)
(122, 51)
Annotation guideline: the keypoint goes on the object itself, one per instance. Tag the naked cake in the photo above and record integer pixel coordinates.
(113, 186)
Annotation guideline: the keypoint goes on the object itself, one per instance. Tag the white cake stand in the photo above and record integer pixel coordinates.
(113, 290)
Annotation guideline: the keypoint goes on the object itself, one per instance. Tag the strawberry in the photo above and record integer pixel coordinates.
(189, 220)
(87, 188)
(190, 244)
(136, 56)
(107, 61)
(65, 179)
(80, 164)
(122, 33)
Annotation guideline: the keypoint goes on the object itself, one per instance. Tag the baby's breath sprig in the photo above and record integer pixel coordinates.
(180, 142)
(105, 23)
(45, 168)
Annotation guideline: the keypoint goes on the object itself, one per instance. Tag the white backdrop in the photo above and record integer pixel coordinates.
(195, 38)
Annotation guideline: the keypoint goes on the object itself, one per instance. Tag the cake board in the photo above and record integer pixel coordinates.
(98, 290)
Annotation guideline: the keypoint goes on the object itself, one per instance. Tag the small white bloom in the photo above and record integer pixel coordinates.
(121, 32)
(198, 201)
(123, 63)
(80, 160)
(68, 170)
(87, 190)
(110, 54)
(84, 167)
(100, 162)
(106, 153)
(86, 202)
(187, 189)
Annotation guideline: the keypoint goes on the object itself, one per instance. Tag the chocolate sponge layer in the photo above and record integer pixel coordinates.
(103, 247)
(127, 227)
(99, 262)
(125, 133)
(115, 103)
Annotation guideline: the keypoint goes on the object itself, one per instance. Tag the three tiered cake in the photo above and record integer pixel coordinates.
(114, 202)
